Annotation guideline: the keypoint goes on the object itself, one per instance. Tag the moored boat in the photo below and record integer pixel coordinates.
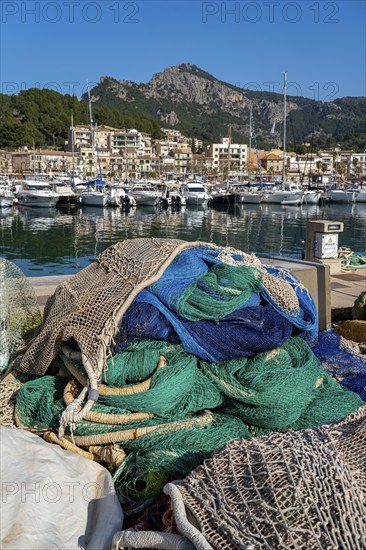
(95, 194)
(146, 194)
(195, 192)
(6, 197)
(37, 193)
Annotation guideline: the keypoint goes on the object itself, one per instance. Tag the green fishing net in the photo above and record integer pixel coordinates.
(219, 292)
(196, 407)
(20, 315)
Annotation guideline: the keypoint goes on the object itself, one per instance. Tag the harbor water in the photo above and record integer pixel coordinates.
(44, 241)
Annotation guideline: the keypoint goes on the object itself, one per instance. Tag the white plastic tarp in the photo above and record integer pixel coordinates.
(52, 498)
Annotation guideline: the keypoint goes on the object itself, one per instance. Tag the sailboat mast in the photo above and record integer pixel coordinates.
(72, 150)
(250, 138)
(91, 128)
(228, 154)
(284, 129)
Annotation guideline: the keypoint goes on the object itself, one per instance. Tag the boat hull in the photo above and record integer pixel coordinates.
(282, 197)
(37, 200)
(341, 196)
(196, 199)
(225, 198)
(251, 198)
(93, 199)
(311, 197)
(146, 199)
(360, 196)
(6, 202)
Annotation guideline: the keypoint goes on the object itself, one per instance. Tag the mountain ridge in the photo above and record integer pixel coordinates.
(194, 101)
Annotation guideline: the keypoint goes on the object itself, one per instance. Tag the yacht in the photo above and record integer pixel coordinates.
(311, 197)
(342, 195)
(117, 196)
(360, 194)
(67, 197)
(95, 194)
(6, 197)
(37, 193)
(146, 194)
(171, 196)
(195, 192)
(288, 194)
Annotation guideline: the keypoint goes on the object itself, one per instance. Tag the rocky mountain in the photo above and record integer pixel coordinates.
(195, 102)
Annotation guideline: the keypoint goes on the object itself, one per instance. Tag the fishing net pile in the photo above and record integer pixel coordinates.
(343, 363)
(162, 351)
(19, 312)
(304, 489)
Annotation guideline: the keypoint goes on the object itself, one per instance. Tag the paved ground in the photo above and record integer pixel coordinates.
(345, 287)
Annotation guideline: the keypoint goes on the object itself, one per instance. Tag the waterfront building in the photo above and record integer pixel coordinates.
(41, 161)
(357, 165)
(219, 152)
(6, 162)
(182, 160)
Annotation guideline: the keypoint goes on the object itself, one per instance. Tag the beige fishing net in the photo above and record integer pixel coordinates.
(89, 305)
(296, 490)
(20, 315)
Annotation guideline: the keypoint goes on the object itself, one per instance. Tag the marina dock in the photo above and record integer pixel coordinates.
(343, 289)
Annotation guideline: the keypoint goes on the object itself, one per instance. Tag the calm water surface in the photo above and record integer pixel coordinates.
(54, 242)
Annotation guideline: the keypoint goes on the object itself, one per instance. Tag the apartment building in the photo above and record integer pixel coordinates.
(41, 161)
(182, 160)
(6, 162)
(357, 165)
(219, 152)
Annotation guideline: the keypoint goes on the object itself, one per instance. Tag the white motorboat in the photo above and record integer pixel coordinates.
(360, 195)
(37, 193)
(95, 194)
(117, 196)
(6, 197)
(311, 197)
(195, 192)
(67, 196)
(341, 195)
(171, 196)
(146, 194)
(287, 194)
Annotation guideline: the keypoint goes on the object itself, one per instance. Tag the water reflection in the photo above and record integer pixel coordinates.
(63, 241)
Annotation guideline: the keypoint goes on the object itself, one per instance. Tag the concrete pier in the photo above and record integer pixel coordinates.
(334, 295)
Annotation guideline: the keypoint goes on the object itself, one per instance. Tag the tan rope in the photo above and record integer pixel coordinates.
(103, 418)
(129, 435)
(107, 390)
(51, 437)
(113, 455)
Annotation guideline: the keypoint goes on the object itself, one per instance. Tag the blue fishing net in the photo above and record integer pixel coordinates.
(341, 362)
(306, 319)
(237, 315)
(245, 332)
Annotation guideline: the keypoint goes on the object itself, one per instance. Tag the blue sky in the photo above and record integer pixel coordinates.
(65, 43)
